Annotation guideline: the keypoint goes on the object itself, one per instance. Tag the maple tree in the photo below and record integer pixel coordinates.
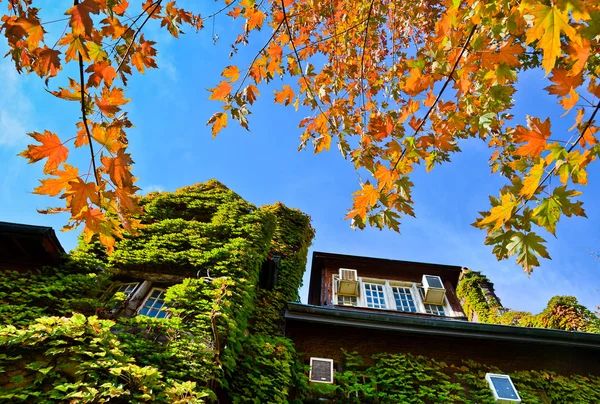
(395, 84)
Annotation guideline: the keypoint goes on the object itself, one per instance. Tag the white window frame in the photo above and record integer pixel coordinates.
(388, 293)
(112, 290)
(363, 293)
(331, 367)
(141, 306)
(489, 376)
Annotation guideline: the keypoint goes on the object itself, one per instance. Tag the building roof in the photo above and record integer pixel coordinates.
(24, 244)
(322, 260)
(442, 326)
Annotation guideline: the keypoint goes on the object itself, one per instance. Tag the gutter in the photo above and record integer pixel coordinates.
(439, 326)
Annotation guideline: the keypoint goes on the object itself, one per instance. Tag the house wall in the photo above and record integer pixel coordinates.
(328, 341)
(382, 273)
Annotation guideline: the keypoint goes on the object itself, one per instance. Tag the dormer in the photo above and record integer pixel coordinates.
(396, 287)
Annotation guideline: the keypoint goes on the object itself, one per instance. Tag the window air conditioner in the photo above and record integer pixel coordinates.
(434, 291)
(321, 370)
(347, 282)
(503, 388)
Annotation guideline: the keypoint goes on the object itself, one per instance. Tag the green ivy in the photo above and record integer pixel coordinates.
(561, 313)
(405, 378)
(215, 240)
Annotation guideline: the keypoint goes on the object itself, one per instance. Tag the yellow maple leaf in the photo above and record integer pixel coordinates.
(499, 214)
(548, 23)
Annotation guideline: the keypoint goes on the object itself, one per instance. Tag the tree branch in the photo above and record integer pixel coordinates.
(430, 110)
(137, 31)
(84, 115)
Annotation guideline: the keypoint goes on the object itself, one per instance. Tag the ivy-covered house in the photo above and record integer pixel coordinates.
(201, 306)
(378, 330)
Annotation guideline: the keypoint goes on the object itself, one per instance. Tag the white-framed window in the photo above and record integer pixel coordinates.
(394, 295)
(347, 300)
(374, 295)
(438, 310)
(127, 288)
(154, 305)
(403, 299)
(321, 370)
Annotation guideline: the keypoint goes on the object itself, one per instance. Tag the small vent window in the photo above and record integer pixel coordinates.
(348, 274)
(154, 305)
(503, 388)
(347, 300)
(321, 370)
(404, 299)
(375, 295)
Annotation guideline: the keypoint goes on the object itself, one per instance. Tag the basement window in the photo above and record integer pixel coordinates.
(503, 388)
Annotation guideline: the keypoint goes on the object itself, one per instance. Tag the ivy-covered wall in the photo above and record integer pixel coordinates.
(561, 313)
(215, 243)
(404, 378)
(60, 340)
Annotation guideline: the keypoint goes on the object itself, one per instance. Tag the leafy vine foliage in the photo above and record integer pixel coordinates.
(405, 378)
(210, 245)
(395, 84)
(62, 339)
(562, 312)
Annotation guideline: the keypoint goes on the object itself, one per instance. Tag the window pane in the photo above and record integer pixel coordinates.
(155, 305)
(404, 299)
(375, 295)
(504, 388)
(127, 288)
(432, 308)
(434, 282)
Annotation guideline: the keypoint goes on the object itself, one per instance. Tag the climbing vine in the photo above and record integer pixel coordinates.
(561, 313)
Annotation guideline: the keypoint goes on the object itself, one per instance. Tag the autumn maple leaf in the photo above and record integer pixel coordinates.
(51, 147)
(218, 121)
(221, 92)
(563, 82)
(535, 137)
(111, 100)
(54, 186)
(78, 193)
(80, 21)
(548, 24)
(499, 214)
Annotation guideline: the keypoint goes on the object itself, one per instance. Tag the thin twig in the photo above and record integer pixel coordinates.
(291, 38)
(362, 63)
(422, 124)
(256, 57)
(137, 31)
(155, 4)
(84, 115)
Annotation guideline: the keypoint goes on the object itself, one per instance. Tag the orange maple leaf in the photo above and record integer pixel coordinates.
(80, 21)
(385, 177)
(364, 199)
(78, 193)
(54, 186)
(47, 63)
(51, 148)
(221, 92)
(218, 121)
(121, 7)
(118, 168)
(509, 53)
(101, 71)
(255, 18)
(232, 73)
(111, 100)
(107, 137)
(250, 92)
(76, 47)
(534, 137)
(35, 31)
(563, 82)
(285, 96)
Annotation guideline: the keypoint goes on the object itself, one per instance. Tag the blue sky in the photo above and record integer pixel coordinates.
(172, 147)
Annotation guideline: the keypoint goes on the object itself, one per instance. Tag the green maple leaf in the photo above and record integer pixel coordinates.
(527, 247)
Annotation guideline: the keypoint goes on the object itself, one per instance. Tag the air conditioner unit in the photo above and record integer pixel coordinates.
(347, 282)
(503, 388)
(321, 370)
(433, 289)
